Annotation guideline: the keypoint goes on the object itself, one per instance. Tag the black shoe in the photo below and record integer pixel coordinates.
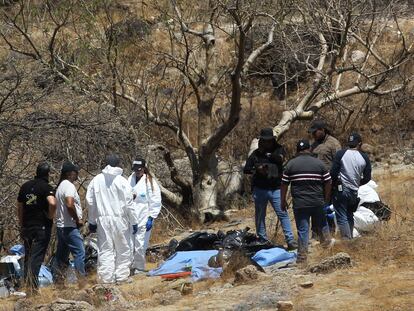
(292, 246)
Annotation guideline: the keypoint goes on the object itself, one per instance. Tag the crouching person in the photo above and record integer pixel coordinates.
(311, 189)
(147, 205)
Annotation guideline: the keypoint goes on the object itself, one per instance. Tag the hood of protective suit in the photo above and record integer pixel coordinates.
(114, 171)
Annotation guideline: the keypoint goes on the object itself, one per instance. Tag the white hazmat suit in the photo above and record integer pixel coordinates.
(147, 203)
(111, 208)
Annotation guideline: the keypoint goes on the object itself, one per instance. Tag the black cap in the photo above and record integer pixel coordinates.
(317, 125)
(354, 139)
(138, 162)
(302, 144)
(267, 134)
(43, 170)
(69, 167)
(112, 160)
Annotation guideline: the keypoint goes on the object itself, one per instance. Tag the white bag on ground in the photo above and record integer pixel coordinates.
(364, 219)
(367, 193)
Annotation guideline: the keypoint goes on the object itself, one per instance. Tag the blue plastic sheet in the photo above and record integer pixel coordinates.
(17, 249)
(194, 261)
(268, 257)
(197, 262)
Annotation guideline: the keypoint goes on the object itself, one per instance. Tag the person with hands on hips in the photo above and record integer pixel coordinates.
(147, 206)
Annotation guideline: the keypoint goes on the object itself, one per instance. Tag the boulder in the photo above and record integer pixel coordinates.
(330, 264)
(65, 305)
(357, 56)
(284, 305)
(369, 149)
(246, 275)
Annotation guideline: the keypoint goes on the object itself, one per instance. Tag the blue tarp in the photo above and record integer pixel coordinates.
(268, 257)
(17, 249)
(194, 261)
(197, 262)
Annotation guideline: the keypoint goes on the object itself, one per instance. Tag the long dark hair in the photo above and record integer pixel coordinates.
(149, 177)
(62, 177)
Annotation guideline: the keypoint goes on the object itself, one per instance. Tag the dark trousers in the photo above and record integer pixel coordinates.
(345, 203)
(36, 240)
(302, 219)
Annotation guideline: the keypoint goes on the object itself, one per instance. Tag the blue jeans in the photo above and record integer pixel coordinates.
(345, 203)
(261, 198)
(302, 219)
(69, 241)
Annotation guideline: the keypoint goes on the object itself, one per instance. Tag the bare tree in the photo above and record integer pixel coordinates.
(201, 55)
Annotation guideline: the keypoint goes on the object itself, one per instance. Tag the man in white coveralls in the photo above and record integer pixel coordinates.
(111, 215)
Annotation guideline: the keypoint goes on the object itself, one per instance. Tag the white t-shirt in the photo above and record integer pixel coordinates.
(63, 219)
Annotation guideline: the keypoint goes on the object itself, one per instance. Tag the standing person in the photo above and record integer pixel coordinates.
(266, 165)
(311, 190)
(351, 168)
(36, 205)
(68, 223)
(325, 145)
(111, 215)
(147, 203)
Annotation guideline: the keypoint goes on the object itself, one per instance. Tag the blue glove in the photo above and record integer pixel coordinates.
(92, 228)
(149, 223)
(134, 229)
(328, 210)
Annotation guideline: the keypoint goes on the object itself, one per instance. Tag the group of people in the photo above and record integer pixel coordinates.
(121, 211)
(321, 174)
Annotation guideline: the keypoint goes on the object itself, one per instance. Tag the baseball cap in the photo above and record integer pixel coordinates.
(354, 139)
(139, 162)
(302, 144)
(69, 167)
(316, 125)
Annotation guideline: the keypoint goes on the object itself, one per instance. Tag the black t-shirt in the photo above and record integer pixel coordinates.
(272, 160)
(33, 194)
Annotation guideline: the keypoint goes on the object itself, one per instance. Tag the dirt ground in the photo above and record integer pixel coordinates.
(381, 276)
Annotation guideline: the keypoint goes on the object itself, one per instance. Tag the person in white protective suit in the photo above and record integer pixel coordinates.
(147, 204)
(111, 214)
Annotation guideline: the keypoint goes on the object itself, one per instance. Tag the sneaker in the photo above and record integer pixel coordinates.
(292, 246)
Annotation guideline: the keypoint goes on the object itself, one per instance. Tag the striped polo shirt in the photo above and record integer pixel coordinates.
(307, 176)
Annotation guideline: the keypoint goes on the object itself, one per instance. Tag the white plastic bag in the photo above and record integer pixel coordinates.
(364, 219)
(367, 193)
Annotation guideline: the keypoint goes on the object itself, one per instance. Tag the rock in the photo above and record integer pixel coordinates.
(367, 148)
(246, 275)
(167, 298)
(228, 285)
(183, 286)
(65, 305)
(284, 305)
(357, 56)
(338, 261)
(108, 295)
(307, 284)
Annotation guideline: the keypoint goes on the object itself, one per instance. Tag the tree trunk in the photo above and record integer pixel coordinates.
(205, 191)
